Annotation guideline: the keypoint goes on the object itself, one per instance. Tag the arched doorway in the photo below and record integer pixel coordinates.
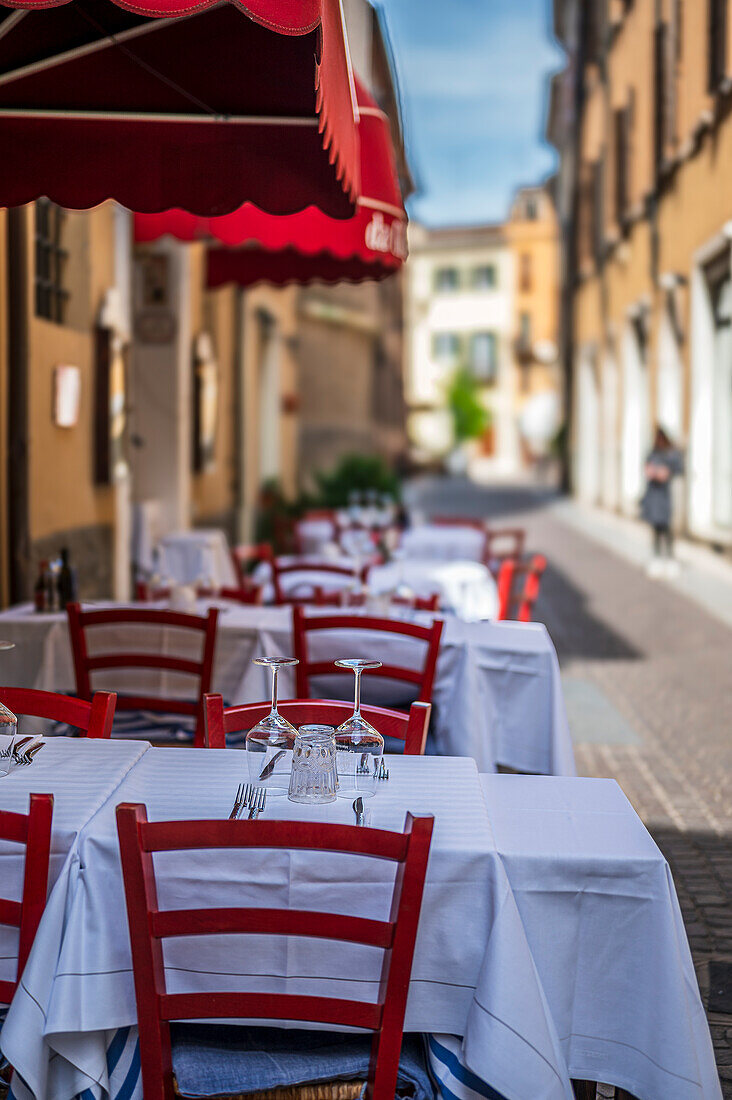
(669, 380)
(587, 468)
(610, 430)
(636, 428)
(269, 397)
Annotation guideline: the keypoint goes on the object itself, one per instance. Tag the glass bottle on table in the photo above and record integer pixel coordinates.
(269, 744)
(359, 745)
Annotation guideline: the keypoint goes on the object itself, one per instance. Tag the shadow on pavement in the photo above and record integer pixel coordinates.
(574, 629)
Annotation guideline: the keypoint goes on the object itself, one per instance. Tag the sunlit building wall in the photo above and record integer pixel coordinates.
(650, 134)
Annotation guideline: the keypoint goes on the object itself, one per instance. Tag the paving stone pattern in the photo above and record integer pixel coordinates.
(656, 670)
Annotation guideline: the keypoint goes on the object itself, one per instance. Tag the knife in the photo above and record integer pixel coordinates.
(358, 810)
(269, 768)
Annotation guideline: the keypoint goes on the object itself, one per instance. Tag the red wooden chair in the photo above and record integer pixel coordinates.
(503, 543)
(417, 603)
(518, 588)
(250, 595)
(203, 627)
(459, 521)
(93, 718)
(325, 516)
(34, 831)
(422, 678)
(245, 558)
(410, 728)
(308, 591)
(149, 926)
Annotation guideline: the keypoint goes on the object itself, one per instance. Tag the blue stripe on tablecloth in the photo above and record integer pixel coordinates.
(123, 1068)
(454, 1080)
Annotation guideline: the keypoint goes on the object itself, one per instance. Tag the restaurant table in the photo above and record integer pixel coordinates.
(497, 690)
(550, 938)
(203, 554)
(82, 774)
(472, 973)
(466, 588)
(599, 908)
(435, 542)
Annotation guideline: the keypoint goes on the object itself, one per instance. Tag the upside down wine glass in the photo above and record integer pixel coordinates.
(359, 746)
(269, 744)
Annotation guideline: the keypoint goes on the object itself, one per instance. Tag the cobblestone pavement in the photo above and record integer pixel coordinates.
(653, 673)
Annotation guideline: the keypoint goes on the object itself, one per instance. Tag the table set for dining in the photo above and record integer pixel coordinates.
(549, 948)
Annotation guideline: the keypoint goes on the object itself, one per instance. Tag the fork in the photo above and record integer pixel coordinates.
(382, 772)
(255, 802)
(237, 802)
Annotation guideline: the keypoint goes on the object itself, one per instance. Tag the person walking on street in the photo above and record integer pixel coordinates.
(662, 465)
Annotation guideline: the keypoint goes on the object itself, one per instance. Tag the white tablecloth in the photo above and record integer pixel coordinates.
(550, 935)
(599, 908)
(465, 587)
(472, 972)
(497, 690)
(434, 542)
(190, 556)
(82, 774)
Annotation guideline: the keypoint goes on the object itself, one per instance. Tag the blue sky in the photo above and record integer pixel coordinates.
(473, 77)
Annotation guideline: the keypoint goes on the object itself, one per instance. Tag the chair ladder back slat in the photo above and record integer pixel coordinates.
(271, 1006)
(271, 922)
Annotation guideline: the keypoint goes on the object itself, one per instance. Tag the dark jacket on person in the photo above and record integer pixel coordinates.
(656, 502)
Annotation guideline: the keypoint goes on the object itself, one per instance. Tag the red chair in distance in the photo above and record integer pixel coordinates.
(250, 595)
(518, 588)
(150, 926)
(503, 543)
(422, 678)
(308, 591)
(34, 831)
(200, 626)
(410, 728)
(93, 718)
(246, 558)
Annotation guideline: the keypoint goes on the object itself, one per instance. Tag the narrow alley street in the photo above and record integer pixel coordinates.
(647, 676)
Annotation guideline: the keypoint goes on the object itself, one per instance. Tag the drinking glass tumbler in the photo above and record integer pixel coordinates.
(314, 776)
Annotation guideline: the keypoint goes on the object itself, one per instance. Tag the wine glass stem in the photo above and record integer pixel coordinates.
(274, 710)
(357, 694)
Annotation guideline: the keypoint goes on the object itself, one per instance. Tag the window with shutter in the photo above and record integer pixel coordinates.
(621, 127)
(717, 29)
(51, 294)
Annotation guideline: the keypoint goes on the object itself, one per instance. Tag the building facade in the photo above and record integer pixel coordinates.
(642, 121)
(484, 298)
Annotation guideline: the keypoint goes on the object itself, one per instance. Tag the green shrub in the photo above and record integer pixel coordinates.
(355, 472)
(470, 418)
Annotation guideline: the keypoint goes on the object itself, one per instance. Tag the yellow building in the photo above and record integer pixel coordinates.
(486, 298)
(641, 117)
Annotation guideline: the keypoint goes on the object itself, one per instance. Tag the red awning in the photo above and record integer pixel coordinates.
(262, 248)
(178, 103)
